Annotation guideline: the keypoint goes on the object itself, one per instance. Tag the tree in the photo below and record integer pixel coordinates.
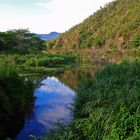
(20, 40)
(1, 42)
(22, 37)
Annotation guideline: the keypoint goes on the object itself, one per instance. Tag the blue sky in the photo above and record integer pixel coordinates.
(44, 16)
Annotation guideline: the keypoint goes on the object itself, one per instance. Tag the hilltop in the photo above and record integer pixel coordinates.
(111, 29)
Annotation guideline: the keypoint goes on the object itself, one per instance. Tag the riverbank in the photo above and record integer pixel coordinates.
(58, 82)
(42, 63)
(106, 106)
(16, 99)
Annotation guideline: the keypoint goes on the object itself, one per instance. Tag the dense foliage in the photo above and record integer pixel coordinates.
(37, 63)
(106, 106)
(136, 41)
(21, 41)
(16, 97)
(25, 52)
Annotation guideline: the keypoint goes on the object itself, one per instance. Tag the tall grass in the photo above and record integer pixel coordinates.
(107, 106)
(38, 63)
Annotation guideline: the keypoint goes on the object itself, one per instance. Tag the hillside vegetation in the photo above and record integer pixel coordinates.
(109, 31)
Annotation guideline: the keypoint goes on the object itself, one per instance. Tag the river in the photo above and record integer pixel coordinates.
(54, 96)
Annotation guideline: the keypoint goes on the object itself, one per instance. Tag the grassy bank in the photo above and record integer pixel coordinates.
(106, 106)
(37, 63)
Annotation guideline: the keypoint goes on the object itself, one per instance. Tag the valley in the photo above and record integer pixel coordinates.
(82, 84)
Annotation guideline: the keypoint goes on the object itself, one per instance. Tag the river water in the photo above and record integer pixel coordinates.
(52, 104)
(54, 96)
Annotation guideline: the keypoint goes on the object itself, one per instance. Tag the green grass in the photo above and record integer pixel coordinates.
(107, 106)
(37, 63)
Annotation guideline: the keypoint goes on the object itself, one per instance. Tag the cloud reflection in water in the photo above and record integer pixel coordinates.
(52, 103)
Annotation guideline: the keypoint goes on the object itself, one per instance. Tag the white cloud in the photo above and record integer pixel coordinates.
(52, 101)
(60, 15)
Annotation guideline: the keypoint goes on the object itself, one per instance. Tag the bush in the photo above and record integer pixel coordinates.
(98, 41)
(32, 61)
(135, 41)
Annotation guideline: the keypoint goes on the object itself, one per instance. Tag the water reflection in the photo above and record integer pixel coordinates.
(73, 77)
(52, 103)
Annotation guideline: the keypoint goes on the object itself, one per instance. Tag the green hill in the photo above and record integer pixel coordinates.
(114, 28)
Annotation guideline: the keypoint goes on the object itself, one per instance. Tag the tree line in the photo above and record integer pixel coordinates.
(20, 40)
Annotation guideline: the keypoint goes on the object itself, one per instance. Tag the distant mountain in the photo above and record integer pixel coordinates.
(49, 36)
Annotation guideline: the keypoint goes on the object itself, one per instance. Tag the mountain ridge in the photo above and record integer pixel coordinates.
(50, 36)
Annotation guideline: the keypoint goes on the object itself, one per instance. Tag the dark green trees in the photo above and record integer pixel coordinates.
(20, 40)
(16, 98)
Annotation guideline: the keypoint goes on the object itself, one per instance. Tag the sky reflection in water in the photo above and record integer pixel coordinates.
(51, 105)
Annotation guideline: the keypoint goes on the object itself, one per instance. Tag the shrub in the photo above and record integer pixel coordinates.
(135, 41)
(98, 41)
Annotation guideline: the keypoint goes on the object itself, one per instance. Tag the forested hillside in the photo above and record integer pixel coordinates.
(115, 25)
